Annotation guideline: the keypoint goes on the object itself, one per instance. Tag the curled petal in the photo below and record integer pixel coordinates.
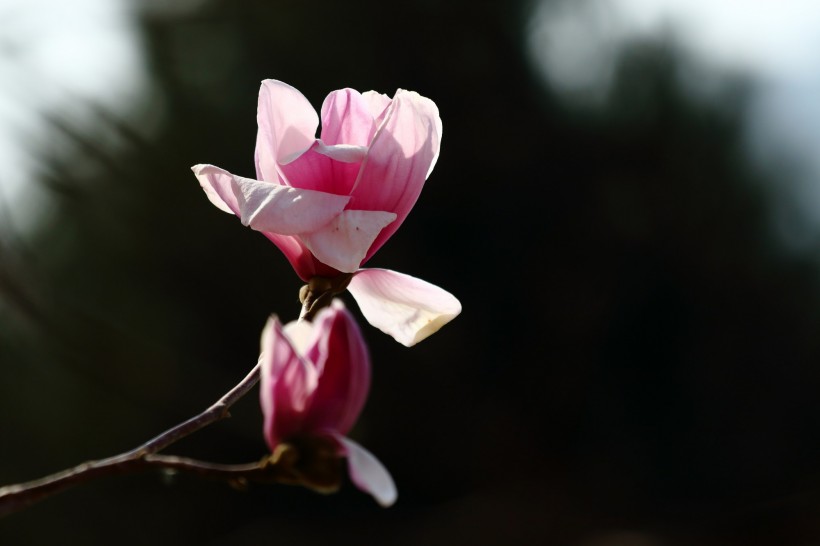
(368, 473)
(285, 210)
(346, 153)
(270, 207)
(344, 242)
(218, 186)
(287, 383)
(404, 307)
(343, 364)
(287, 127)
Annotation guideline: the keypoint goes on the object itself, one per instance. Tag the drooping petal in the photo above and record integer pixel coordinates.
(347, 119)
(287, 383)
(343, 365)
(344, 242)
(287, 127)
(368, 473)
(404, 307)
(403, 149)
(218, 186)
(282, 209)
(265, 206)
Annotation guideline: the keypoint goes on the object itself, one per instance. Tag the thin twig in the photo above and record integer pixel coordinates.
(19, 496)
(286, 465)
(217, 412)
(319, 292)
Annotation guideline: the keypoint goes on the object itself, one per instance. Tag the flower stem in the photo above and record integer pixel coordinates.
(319, 292)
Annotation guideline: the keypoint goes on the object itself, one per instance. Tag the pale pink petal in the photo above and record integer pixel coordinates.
(302, 335)
(368, 473)
(346, 153)
(287, 127)
(269, 207)
(218, 187)
(404, 307)
(225, 191)
(275, 208)
(346, 119)
(286, 384)
(344, 242)
(343, 365)
(400, 157)
(378, 103)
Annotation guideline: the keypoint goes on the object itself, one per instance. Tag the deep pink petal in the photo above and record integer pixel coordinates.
(315, 170)
(347, 119)
(287, 383)
(368, 473)
(343, 243)
(342, 363)
(300, 258)
(287, 127)
(404, 307)
(405, 147)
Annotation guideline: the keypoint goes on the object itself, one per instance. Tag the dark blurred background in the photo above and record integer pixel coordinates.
(627, 209)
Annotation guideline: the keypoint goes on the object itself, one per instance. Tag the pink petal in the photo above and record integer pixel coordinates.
(218, 187)
(300, 258)
(221, 190)
(344, 242)
(265, 206)
(346, 119)
(285, 210)
(404, 307)
(343, 364)
(377, 103)
(287, 127)
(286, 384)
(346, 153)
(368, 473)
(317, 170)
(405, 147)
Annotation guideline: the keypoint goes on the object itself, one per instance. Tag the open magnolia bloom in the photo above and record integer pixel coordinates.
(330, 203)
(315, 378)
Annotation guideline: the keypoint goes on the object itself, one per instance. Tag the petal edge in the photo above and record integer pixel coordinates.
(368, 473)
(404, 307)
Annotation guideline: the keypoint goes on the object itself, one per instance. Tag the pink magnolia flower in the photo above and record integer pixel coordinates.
(330, 203)
(314, 382)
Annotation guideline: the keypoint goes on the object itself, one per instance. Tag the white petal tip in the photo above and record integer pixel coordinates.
(404, 307)
(432, 326)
